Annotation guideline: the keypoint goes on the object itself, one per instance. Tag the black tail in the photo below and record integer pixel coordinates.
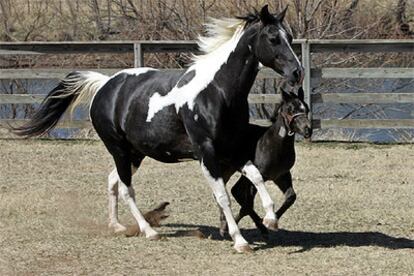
(48, 115)
(75, 85)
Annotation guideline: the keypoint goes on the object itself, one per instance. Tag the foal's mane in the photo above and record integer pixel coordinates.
(220, 31)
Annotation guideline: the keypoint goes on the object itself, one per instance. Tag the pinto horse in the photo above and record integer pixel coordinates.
(200, 113)
(272, 151)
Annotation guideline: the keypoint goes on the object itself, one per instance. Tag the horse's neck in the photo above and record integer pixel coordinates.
(238, 74)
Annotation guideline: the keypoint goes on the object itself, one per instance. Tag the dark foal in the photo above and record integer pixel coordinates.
(273, 153)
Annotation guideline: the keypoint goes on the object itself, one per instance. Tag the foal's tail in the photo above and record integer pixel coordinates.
(77, 88)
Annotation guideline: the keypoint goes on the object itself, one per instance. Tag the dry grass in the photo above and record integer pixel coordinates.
(354, 215)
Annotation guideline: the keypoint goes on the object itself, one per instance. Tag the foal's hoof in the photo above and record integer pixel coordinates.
(270, 224)
(245, 248)
(117, 227)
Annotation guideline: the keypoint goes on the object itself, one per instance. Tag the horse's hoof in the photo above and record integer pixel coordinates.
(245, 248)
(270, 224)
(155, 237)
(117, 227)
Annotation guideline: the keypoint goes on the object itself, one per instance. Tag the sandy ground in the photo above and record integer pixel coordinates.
(354, 215)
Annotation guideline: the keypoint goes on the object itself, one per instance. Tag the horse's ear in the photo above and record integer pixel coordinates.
(282, 14)
(301, 94)
(265, 15)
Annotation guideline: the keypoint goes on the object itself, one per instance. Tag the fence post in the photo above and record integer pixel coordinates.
(138, 55)
(306, 63)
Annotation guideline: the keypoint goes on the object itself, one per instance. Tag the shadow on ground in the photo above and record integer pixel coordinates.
(305, 240)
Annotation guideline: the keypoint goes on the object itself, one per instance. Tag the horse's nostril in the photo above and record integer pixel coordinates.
(297, 75)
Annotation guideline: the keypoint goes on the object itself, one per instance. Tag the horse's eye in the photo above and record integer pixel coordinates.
(274, 40)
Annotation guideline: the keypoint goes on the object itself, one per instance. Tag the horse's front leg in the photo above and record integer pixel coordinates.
(213, 173)
(251, 172)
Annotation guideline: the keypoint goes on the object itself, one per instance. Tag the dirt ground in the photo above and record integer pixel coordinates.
(354, 215)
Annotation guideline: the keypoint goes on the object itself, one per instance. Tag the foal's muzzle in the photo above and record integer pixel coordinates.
(307, 132)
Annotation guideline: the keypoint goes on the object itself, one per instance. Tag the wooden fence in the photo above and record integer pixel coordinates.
(306, 48)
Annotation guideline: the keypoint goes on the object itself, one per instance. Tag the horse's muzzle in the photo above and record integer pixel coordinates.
(296, 76)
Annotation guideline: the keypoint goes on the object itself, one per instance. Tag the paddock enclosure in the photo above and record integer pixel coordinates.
(354, 212)
(358, 90)
(353, 216)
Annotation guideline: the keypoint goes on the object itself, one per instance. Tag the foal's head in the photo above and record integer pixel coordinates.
(273, 47)
(294, 112)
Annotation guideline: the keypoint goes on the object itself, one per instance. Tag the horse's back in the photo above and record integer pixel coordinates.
(120, 109)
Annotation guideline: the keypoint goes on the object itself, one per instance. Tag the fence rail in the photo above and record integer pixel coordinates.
(306, 48)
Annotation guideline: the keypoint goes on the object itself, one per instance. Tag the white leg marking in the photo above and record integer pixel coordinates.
(113, 180)
(222, 198)
(253, 174)
(115, 187)
(128, 194)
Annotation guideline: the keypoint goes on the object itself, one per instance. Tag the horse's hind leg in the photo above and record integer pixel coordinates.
(123, 164)
(113, 182)
(113, 192)
(284, 182)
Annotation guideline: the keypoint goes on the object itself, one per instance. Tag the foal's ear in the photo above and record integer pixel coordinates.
(282, 14)
(301, 94)
(265, 16)
(286, 96)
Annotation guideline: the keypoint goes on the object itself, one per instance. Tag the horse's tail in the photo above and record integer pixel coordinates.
(77, 88)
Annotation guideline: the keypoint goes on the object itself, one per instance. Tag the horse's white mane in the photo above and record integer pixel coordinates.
(218, 32)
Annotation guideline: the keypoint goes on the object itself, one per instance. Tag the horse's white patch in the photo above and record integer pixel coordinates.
(168, 153)
(195, 117)
(282, 132)
(205, 68)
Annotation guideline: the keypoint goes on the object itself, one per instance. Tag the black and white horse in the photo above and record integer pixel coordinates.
(272, 151)
(199, 113)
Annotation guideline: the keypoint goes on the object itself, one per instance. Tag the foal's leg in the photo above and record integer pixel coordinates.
(244, 192)
(213, 174)
(284, 182)
(253, 174)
